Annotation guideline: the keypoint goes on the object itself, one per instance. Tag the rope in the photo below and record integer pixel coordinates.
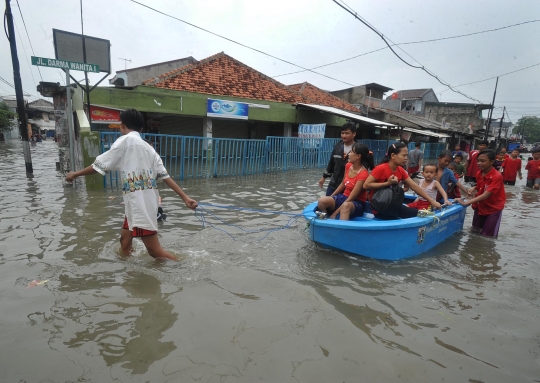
(201, 214)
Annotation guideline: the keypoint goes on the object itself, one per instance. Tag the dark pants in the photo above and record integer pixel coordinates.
(404, 212)
(330, 190)
(511, 183)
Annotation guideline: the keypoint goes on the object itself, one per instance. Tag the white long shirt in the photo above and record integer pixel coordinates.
(140, 167)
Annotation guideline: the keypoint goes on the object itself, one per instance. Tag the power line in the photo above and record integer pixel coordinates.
(238, 43)
(13, 86)
(422, 67)
(25, 55)
(27, 35)
(411, 42)
(335, 62)
(469, 34)
(491, 78)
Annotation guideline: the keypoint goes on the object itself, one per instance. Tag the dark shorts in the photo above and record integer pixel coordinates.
(330, 190)
(487, 225)
(359, 206)
(511, 183)
(531, 183)
(404, 213)
(136, 231)
(470, 179)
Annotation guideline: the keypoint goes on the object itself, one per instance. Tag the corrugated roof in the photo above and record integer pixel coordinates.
(349, 115)
(410, 93)
(322, 97)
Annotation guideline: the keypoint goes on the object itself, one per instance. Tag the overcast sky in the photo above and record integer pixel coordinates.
(308, 33)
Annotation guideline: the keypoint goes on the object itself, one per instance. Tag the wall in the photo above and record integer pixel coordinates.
(354, 95)
(137, 76)
(458, 116)
(165, 101)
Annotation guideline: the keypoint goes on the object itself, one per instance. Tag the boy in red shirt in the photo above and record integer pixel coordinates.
(472, 167)
(511, 167)
(533, 167)
(490, 196)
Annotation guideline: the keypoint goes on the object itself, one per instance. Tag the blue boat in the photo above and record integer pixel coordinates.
(382, 239)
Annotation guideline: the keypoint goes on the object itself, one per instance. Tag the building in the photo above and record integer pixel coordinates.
(40, 115)
(177, 103)
(361, 96)
(410, 100)
(136, 76)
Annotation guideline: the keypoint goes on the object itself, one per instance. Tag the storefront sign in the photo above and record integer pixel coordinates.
(102, 115)
(311, 131)
(227, 109)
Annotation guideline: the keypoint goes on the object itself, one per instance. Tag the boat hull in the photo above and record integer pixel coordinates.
(382, 239)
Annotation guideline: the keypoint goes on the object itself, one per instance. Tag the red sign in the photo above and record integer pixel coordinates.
(102, 115)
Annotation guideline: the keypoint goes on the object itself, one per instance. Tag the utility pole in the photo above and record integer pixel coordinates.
(491, 110)
(23, 124)
(500, 127)
(85, 72)
(369, 102)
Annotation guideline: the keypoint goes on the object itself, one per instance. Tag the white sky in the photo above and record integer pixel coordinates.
(308, 33)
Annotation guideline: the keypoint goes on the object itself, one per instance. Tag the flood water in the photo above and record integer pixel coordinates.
(254, 309)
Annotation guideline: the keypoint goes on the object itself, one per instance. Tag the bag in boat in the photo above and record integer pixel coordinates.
(388, 201)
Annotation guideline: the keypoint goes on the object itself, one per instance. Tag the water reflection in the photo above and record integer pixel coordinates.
(130, 331)
(480, 255)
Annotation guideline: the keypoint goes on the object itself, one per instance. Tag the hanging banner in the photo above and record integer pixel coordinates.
(227, 109)
(100, 115)
(311, 130)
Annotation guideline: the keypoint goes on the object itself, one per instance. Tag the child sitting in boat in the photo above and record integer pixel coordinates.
(390, 172)
(430, 186)
(348, 200)
(453, 191)
(488, 203)
(445, 176)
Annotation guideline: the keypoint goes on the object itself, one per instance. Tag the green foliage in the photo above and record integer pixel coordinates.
(6, 117)
(529, 126)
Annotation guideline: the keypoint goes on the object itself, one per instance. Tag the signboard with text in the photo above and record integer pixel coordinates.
(63, 64)
(227, 109)
(311, 130)
(100, 115)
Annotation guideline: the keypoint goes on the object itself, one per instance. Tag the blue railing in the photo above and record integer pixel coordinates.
(200, 157)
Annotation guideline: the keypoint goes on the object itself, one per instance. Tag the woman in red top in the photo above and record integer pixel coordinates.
(349, 199)
(533, 166)
(391, 172)
(490, 196)
(511, 167)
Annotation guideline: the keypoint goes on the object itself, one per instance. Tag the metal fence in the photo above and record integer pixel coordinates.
(200, 157)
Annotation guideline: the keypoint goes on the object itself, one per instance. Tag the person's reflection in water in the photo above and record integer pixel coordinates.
(482, 258)
(140, 346)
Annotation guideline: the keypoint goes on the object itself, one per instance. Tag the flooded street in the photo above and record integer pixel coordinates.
(272, 309)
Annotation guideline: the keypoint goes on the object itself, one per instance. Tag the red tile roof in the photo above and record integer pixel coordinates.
(322, 97)
(221, 74)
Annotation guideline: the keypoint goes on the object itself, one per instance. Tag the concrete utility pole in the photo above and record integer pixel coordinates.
(500, 127)
(23, 124)
(491, 110)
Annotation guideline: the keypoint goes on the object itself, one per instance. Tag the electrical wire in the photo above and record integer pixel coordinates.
(238, 43)
(25, 55)
(491, 78)
(411, 42)
(385, 39)
(27, 35)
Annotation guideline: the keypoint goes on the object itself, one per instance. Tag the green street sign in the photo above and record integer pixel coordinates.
(63, 64)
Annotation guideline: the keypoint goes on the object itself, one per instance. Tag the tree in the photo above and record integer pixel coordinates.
(6, 118)
(529, 127)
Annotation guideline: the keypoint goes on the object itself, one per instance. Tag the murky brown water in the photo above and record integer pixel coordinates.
(276, 310)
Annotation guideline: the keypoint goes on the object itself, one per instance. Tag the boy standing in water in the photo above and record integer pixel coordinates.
(533, 167)
(511, 167)
(472, 166)
(490, 196)
(132, 155)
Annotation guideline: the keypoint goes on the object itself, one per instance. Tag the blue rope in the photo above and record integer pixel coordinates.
(248, 209)
(204, 221)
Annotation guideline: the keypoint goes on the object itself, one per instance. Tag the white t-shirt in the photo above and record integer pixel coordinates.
(140, 167)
